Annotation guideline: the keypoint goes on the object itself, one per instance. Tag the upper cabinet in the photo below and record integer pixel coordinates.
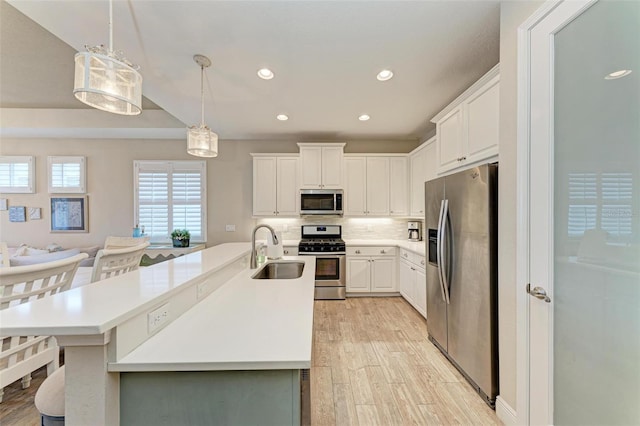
(275, 185)
(366, 186)
(398, 186)
(321, 165)
(467, 129)
(375, 185)
(423, 168)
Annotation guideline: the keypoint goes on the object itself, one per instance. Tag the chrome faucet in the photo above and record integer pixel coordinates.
(253, 264)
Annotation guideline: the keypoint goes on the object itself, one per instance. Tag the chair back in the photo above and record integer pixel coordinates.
(21, 284)
(112, 262)
(21, 355)
(122, 242)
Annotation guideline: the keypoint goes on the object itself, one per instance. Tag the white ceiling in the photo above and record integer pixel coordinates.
(325, 55)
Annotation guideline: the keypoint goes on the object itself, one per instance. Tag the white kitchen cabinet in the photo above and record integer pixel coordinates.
(467, 129)
(275, 187)
(421, 162)
(450, 145)
(355, 183)
(378, 186)
(398, 186)
(367, 186)
(413, 280)
(371, 270)
(321, 165)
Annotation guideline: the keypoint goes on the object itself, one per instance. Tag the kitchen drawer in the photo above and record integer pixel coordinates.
(371, 251)
(414, 258)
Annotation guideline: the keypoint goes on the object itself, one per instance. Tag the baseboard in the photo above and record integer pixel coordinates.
(505, 412)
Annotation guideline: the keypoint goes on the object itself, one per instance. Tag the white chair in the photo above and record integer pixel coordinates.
(49, 398)
(111, 262)
(21, 355)
(122, 242)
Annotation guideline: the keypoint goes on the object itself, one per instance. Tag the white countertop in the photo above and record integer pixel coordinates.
(418, 247)
(246, 324)
(98, 307)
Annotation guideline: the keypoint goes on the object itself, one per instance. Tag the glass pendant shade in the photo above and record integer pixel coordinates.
(107, 83)
(202, 142)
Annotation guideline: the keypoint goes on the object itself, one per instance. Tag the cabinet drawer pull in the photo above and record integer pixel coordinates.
(286, 252)
(357, 251)
(383, 251)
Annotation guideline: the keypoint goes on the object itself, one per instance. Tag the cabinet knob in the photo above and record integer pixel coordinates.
(274, 212)
(357, 251)
(391, 211)
(383, 251)
(413, 269)
(286, 252)
(463, 158)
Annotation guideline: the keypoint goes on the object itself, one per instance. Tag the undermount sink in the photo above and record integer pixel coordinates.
(280, 271)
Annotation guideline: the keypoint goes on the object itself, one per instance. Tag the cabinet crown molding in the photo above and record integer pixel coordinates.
(301, 144)
(277, 154)
(492, 73)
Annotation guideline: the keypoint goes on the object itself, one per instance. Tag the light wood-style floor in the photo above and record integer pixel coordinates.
(372, 365)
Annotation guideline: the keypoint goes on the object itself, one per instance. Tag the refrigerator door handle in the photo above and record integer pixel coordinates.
(446, 230)
(439, 259)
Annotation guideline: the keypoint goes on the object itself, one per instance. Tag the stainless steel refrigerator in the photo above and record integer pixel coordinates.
(462, 295)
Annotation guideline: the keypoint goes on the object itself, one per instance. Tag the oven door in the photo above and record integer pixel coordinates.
(330, 270)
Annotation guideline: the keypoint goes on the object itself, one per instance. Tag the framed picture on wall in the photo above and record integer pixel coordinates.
(69, 214)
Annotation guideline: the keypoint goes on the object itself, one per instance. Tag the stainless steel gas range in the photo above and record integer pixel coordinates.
(326, 244)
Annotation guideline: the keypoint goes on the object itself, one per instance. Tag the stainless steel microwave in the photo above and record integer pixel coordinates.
(321, 201)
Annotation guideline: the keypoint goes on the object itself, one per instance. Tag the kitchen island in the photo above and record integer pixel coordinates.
(195, 336)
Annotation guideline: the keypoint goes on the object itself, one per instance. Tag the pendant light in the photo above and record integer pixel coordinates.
(106, 80)
(201, 141)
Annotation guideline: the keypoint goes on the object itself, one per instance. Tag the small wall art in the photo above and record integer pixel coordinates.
(35, 213)
(4, 204)
(17, 214)
(69, 214)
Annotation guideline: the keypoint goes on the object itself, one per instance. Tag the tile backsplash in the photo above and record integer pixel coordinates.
(352, 228)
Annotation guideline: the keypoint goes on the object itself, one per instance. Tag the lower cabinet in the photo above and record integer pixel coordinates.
(413, 280)
(371, 269)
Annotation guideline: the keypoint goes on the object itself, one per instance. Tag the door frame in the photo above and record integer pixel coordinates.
(551, 17)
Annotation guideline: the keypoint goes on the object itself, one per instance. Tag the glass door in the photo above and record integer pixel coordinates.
(584, 215)
(596, 265)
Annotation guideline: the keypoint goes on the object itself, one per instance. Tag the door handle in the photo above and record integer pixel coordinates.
(538, 293)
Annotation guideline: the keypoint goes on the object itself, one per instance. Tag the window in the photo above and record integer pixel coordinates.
(16, 174)
(170, 195)
(601, 201)
(67, 175)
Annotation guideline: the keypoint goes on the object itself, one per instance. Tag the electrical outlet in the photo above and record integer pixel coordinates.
(230, 228)
(158, 318)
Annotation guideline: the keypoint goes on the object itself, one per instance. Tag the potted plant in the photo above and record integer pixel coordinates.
(180, 237)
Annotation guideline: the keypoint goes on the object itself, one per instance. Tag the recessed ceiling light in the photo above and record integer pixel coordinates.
(265, 73)
(385, 75)
(282, 117)
(364, 117)
(617, 74)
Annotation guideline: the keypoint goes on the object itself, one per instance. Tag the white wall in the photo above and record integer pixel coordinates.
(110, 185)
(512, 14)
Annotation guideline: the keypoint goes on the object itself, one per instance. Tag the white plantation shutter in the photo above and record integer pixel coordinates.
(16, 174)
(67, 175)
(601, 201)
(170, 195)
